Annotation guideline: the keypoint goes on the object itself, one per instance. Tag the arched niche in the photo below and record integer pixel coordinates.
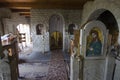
(95, 8)
(71, 29)
(109, 20)
(56, 23)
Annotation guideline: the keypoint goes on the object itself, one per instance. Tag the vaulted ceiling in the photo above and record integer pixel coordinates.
(24, 6)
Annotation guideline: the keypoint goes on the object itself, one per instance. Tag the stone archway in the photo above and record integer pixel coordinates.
(56, 24)
(107, 18)
(95, 10)
(97, 7)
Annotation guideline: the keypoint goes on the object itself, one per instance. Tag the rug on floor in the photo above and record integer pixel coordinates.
(57, 69)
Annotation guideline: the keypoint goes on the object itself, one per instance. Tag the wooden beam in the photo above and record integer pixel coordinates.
(25, 14)
(44, 5)
(20, 10)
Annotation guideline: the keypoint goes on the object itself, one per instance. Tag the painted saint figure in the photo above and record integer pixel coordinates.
(94, 47)
(39, 28)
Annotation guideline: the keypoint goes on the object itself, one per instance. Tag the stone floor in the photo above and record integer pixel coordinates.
(37, 66)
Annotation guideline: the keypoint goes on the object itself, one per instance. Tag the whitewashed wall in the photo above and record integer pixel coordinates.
(42, 16)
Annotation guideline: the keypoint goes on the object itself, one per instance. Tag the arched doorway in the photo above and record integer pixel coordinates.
(56, 40)
(56, 31)
(24, 37)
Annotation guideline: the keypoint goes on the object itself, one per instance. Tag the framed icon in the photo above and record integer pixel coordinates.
(93, 40)
(39, 29)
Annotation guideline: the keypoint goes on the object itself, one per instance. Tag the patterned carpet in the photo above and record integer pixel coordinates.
(57, 69)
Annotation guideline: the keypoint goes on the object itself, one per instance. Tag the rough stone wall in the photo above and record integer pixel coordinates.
(9, 20)
(8, 23)
(8, 26)
(111, 5)
(42, 16)
(91, 7)
(4, 13)
(4, 67)
(18, 19)
(11, 23)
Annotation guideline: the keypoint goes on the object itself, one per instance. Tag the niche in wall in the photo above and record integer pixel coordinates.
(56, 29)
(71, 29)
(39, 29)
(109, 20)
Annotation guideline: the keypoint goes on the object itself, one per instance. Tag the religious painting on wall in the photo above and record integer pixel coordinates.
(71, 29)
(93, 40)
(94, 43)
(56, 40)
(39, 29)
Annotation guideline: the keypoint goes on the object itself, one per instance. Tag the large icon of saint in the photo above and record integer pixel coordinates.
(94, 45)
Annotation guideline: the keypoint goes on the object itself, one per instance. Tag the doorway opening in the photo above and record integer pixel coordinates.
(56, 40)
(56, 29)
(24, 37)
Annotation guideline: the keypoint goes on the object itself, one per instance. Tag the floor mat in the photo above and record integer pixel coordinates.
(57, 69)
